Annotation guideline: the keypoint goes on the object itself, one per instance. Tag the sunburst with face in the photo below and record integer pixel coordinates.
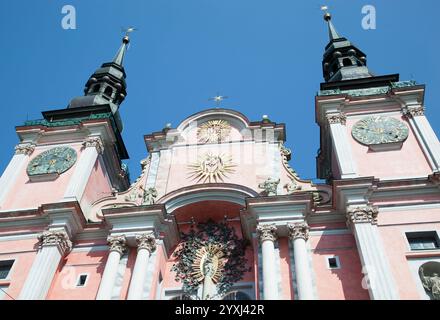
(213, 131)
(211, 168)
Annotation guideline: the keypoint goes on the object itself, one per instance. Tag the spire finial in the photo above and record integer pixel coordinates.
(218, 99)
(119, 57)
(333, 34)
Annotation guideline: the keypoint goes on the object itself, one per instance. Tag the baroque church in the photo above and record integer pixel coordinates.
(217, 213)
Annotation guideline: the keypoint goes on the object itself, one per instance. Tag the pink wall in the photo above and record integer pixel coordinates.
(409, 161)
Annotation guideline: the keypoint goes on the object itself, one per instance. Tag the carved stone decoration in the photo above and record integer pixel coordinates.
(362, 214)
(286, 155)
(210, 255)
(292, 186)
(117, 243)
(25, 148)
(149, 196)
(431, 283)
(298, 230)
(57, 238)
(146, 241)
(211, 168)
(269, 186)
(411, 112)
(317, 198)
(95, 142)
(267, 232)
(435, 178)
(213, 131)
(336, 118)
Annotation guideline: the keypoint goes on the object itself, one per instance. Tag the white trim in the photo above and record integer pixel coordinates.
(410, 206)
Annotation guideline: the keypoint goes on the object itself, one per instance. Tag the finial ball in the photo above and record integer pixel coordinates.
(327, 16)
(126, 39)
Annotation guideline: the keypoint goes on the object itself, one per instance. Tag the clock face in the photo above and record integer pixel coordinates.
(378, 130)
(55, 160)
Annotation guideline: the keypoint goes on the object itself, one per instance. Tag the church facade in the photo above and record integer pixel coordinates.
(217, 212)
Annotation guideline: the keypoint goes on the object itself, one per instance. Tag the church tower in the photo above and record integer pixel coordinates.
(72, 154)
(371, 125)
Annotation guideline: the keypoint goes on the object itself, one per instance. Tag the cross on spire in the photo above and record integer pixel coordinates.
(218, 99)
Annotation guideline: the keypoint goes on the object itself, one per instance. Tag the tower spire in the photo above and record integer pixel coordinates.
(119, 57)
(332, 33)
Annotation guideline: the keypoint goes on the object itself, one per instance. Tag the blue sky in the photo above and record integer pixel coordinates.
(265, 55)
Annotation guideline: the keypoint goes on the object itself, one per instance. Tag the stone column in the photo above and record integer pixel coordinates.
(341, 143)
(267, 235)
(146, 245)
(378, 276)
(53, 246)
(425, 134)
(92, 148)
(14, 168)
(299, 234)
(117, 248)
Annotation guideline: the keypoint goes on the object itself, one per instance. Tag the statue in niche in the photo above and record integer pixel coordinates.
(431, 283)
(269, 186)
(208, 267)
(149, 196)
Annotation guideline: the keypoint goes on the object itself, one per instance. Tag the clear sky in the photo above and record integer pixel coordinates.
(264, 54)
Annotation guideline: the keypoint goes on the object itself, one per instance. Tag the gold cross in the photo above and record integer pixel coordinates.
(218, 99)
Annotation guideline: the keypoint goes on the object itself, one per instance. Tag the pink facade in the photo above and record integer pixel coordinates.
(217, 212)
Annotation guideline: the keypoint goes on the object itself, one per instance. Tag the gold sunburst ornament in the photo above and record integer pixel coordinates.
(213, 131)
(211, 168)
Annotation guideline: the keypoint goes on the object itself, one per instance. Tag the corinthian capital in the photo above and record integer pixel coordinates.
(24, 148)
(414, 111)
(117, 243)
(57, 238)
(267, 232)
(94, 142)
(298, 230)
(336, 118)
(146, 241)
(362, 214)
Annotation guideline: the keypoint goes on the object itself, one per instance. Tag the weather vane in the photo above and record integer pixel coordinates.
(324, 8)
(128, 30)
(218, 99)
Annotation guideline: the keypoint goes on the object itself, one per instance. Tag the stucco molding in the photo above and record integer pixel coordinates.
(298, 231)
(56, 238)
(362, 214)
(146, 241)
(117, 243)
(267, 232)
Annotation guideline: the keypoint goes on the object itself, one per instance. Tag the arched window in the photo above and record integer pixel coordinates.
(347, 62)
(181, 297)
(429, 274)
(96, 88)
(108, 92)
(236, 295)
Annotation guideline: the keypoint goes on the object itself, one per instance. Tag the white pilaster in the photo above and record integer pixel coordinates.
(425, 134)
(14, 168)
(341, 143)
(299, 234)
(54, 245)
(375, 266)
(146, 245)
(77, 184)
(267, 237)
(117, 248)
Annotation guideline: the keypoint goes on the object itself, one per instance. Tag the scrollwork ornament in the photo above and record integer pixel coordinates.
(411, 112)
(146, 241)
(25, 148)
(298, 230)
(117, 243)
(269, 186)
(57, 238)
(94, 142)
(336, 118)
(362, 214)
(267, 232)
